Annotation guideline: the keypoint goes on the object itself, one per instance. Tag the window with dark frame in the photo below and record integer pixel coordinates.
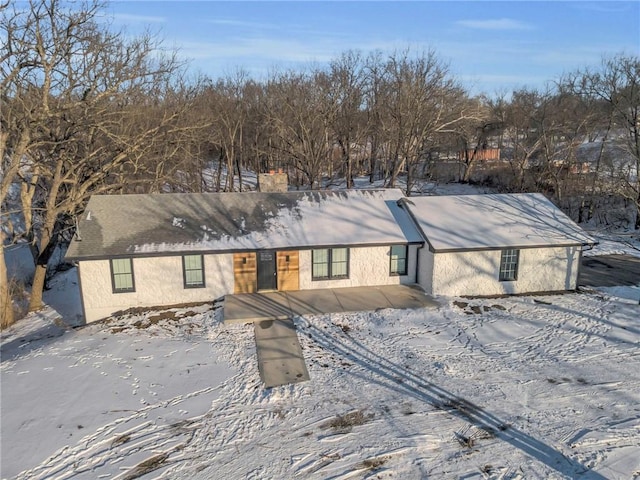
(193, 271)
(330, 263)
(509, 265)
(122, 275)
(398, 260)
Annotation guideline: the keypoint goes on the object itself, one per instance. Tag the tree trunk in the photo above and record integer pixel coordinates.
(6, 304)
(409, 179)
(396, 168)
(239, 168)
(239, 161)
(40, 275)
(638, 211)
(218, 184)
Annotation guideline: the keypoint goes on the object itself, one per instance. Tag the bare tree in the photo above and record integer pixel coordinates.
(522, 136)
(616, 83)
(421, 100)
(228, 110)
(82, 96)
(473, 134)
(298, 116)
(343, 86)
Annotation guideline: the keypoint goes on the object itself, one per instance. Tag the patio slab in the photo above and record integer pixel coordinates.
(356, 299)
(280, 358)
(407, 296)
(314, 302)
(256, 307)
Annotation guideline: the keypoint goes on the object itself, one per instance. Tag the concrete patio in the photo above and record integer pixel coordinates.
(257, 307)
(280, 358)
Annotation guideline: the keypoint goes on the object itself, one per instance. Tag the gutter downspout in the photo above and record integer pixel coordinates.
(420, 247)
(402, 203)
(582, 249)
(84, 311)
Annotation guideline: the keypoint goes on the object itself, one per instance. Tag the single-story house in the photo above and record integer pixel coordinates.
(167, 249)
(495, 244)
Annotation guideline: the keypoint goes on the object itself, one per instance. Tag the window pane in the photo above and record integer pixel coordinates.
(320, 270)
(123, 281)
(193, 262)
(193, 277)
(399, 259)
(339, 269)
(321, 256)
(339, 262)
(193, 271)
(121, 265)
(339, 255)
(122, 272)
(320, 263)
(509, 265)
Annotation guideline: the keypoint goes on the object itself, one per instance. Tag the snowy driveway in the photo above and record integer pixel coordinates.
(610, 271)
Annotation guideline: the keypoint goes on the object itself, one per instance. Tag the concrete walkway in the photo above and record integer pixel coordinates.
(257, 307)
(280, 359)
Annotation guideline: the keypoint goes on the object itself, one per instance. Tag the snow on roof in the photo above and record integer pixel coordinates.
(115, 225)
(470, 222)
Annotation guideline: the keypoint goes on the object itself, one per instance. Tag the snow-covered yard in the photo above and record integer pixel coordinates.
(521, 387)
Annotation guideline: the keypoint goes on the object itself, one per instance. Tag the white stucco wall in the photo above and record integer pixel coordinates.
(367, 266)
(158, 281)
(476, 273)
(425, 269)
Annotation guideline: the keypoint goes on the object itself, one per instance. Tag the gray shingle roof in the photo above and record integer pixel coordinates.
(122, 225)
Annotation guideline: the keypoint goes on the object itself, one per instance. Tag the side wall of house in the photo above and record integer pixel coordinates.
(476, 273)
(425, 269)
(158, 281)
(368, 266)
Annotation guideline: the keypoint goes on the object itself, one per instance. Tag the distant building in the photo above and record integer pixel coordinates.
(481, 154)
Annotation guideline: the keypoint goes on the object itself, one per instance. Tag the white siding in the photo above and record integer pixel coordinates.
(158, 281)
(476, 273)
(367, 266)
(425, 272)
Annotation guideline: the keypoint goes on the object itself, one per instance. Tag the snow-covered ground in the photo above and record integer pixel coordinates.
(521, 387)
(619, 242)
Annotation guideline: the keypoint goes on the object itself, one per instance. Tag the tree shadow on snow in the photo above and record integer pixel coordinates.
(16, 345)
(397, 378)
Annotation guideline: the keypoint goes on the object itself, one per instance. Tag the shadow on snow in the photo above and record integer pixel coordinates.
(397, 378)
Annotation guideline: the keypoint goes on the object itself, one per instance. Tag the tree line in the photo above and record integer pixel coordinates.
(85, 109)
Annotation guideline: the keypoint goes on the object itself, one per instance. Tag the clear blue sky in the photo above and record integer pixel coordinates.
(489, 46)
